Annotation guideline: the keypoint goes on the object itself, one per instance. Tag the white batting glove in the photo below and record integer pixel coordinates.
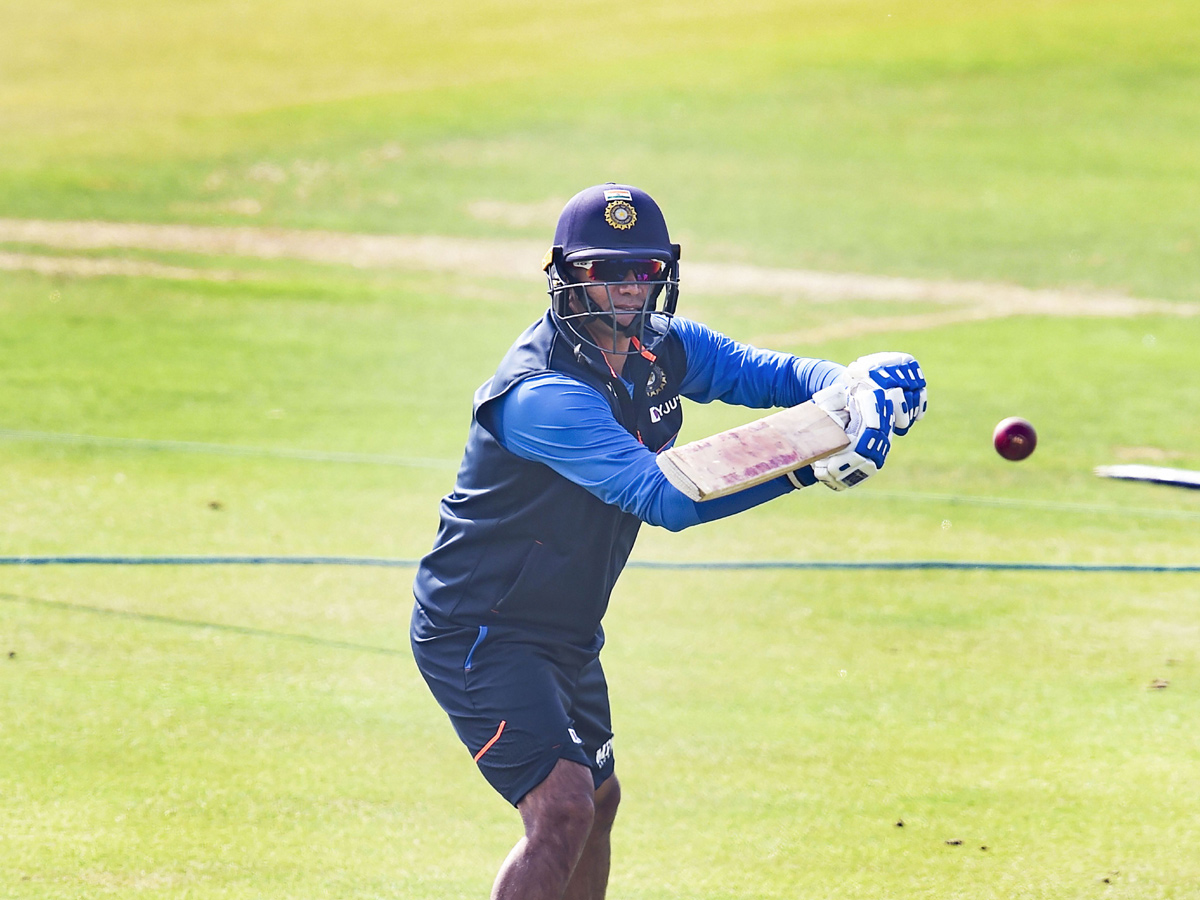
(900, 375)
(867, 413)
(833, 400)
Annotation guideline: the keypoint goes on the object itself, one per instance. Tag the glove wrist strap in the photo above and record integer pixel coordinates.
(802, 478)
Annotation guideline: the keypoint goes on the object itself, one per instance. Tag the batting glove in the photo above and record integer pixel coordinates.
(869, 414)
(834, 400)
(900, 375)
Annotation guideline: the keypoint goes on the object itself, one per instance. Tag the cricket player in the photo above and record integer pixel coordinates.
(557, 477)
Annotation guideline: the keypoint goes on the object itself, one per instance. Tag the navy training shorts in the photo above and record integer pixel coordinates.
(518, 705)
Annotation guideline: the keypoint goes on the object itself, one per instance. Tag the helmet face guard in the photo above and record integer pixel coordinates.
(598, 322)
(610, 238)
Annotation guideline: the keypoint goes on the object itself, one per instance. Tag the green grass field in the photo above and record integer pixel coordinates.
(260, 731)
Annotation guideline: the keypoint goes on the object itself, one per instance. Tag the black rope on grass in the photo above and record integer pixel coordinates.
(385, 562)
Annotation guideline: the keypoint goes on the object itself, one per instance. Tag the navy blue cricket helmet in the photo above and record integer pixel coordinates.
(605, 235)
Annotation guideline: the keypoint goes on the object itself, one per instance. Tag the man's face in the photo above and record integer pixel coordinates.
(623, 288)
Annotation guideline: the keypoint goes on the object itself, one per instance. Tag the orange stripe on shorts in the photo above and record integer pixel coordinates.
(495, 737)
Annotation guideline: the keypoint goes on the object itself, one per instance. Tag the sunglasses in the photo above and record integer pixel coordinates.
(610, 270)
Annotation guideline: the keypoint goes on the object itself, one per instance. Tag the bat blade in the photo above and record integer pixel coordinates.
(750, 454)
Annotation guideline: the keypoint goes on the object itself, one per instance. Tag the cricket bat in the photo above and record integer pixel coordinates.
(753, 453)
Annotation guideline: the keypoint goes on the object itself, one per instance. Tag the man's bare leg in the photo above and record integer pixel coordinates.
(590, 881)
(558, 816)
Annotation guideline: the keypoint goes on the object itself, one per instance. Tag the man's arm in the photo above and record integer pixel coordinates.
(719, 368)
(563, 423)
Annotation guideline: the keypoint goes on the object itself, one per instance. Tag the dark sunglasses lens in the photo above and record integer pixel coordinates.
(617, 269)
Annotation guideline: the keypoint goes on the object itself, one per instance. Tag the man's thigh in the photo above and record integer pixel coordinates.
(519, 707)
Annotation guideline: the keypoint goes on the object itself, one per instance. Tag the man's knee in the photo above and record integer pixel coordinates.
(562, 807)
(568, 813)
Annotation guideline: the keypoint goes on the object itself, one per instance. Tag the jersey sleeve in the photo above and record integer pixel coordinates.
(719, 368)
(560, 422)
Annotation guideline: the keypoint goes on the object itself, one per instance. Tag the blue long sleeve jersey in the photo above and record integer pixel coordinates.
(557, 420)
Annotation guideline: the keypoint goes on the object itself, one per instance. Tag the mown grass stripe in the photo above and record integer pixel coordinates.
(194, 623)
(223, 449)
(334, 456)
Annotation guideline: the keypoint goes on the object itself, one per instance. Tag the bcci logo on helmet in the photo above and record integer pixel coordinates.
(620, 214)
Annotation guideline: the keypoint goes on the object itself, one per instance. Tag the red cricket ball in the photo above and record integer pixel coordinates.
(1014, 438)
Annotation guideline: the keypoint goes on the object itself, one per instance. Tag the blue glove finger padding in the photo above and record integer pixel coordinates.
(900, 375)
